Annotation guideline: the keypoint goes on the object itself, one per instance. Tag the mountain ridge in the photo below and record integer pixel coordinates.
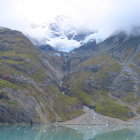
(110, 74)
(103, 77)
(61, 34)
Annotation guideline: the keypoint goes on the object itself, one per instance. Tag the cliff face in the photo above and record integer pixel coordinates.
(29, 84)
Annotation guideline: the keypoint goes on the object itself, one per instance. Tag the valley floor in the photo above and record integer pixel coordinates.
(90, 117)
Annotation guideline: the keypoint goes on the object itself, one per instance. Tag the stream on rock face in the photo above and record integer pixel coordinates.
(71, 132)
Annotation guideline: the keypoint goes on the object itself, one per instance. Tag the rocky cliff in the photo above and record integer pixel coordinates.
(29, 84)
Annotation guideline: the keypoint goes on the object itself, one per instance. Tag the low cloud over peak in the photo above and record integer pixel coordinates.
(104, 16)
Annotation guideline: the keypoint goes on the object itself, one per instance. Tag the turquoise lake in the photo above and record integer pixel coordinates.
(75, 132)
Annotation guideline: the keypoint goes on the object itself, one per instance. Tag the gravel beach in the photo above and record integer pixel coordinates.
(90, 117)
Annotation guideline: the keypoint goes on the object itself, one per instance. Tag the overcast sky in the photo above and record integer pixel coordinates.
(104, 15)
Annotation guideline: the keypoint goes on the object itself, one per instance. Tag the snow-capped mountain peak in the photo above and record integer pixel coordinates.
(60, 34)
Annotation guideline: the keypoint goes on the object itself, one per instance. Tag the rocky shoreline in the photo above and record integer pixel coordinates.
(90, 117)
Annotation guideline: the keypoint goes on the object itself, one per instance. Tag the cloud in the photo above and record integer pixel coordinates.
(106, 16)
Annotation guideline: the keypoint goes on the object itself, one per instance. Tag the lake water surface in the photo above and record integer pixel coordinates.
(76, 132)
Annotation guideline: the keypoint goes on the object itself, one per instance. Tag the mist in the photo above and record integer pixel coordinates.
(104, 16)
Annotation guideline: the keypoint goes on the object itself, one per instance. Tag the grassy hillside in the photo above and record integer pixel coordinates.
(28, 92)
(108, 81)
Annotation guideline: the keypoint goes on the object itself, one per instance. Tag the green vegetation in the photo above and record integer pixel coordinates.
(131, 98)
(9, 102)
(82, 96)
(66, 106)
(39, 75)
(108, 106)
(113, 109)
(107, 62)
(99, 96)
(4, 83)
(138, 109)
(3, 93)
(137, 56)
(77, 91)
(109, 69)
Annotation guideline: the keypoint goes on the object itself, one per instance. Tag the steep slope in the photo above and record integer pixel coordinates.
(82, 53)
(28, 84)
(44, 85)
(108, 80)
